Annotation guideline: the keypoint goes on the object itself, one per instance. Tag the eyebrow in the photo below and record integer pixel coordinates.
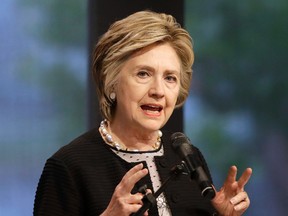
(147, 67)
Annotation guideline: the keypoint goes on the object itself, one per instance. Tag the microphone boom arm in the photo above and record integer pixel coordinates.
(149, 200)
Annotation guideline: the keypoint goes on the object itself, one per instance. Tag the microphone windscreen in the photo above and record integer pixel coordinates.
(181, 144)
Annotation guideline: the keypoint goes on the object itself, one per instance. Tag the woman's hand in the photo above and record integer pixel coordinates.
(122, 201)
(232, 200)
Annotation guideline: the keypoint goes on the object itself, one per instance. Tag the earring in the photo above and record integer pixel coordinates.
(112, 96)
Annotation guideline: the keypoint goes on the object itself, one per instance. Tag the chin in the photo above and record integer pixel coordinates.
(153, 125)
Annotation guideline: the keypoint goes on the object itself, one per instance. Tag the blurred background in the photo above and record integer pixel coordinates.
(237, 112)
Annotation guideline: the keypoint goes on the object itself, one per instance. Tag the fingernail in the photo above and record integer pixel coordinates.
(236, 208)
(232, 201)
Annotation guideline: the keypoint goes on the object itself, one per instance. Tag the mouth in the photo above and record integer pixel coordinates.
(151, 108)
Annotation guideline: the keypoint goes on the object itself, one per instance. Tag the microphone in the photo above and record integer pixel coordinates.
(181, 144)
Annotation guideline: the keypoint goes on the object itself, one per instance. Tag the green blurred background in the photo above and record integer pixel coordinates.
(236, 113)
(238, 109)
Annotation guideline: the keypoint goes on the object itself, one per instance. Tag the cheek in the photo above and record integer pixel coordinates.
(130, 94)
(174, 97)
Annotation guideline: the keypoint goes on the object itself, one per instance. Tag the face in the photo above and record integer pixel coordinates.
(148, 88)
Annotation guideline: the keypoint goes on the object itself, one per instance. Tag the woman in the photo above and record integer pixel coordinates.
(142, 68)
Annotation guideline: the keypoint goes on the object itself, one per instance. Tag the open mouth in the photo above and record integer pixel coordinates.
(151, 108)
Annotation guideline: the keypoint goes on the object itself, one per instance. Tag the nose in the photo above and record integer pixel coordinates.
(157, 88)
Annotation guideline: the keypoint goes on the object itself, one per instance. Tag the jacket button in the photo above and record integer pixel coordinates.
(175, 197)
(163, 163)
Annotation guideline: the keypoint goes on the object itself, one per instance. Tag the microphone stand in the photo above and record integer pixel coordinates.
(149, 200)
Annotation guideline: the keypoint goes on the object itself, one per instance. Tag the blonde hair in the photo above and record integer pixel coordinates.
(129, 35)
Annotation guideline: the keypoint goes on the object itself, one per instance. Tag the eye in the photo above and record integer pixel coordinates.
(171, 78)
(142, 74)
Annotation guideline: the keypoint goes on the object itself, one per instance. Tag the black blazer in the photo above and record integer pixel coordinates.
(80, 178)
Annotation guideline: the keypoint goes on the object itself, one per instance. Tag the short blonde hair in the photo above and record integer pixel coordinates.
(129, 35)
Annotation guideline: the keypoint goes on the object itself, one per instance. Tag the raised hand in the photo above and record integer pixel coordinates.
(122, 201)
(231, 199)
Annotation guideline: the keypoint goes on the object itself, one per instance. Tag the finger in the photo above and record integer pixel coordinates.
(133, 170)
(230, 185)
(148, 191)
(242, 206)
(135, 199)
(244, 178)
(231, 177)
(239, 198)
(131, 177)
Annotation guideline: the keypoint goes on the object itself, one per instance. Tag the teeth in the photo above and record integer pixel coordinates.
(152, 111)
(151, 108)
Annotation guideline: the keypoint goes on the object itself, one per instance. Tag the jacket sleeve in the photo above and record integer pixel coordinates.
(56, 192)
(204, 164)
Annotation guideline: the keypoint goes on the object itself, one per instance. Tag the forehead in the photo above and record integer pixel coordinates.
(159, 53)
